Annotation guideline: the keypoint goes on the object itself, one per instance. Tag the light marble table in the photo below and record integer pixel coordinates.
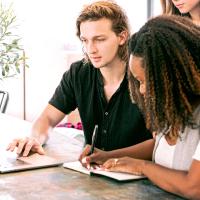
(58, 183)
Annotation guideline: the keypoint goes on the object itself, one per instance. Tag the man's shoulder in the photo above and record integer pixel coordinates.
(79, 70)
(80, 65)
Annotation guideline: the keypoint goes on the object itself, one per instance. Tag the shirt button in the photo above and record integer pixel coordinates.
(104, 131)
(102, 148)
(106, 113)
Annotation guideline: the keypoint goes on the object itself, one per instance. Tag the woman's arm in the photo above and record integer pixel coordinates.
(185, 184)
(142, 150)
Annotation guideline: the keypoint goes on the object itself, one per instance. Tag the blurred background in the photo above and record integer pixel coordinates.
(48, 35)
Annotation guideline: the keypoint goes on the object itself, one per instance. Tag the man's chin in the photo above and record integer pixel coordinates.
(97, 66)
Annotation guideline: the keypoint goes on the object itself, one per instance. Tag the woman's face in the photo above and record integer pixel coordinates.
(186, 6)
(137, 70)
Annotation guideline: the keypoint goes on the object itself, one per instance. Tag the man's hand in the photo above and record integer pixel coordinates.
(25, 145)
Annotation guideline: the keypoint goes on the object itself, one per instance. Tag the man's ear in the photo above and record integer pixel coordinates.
(123, 37)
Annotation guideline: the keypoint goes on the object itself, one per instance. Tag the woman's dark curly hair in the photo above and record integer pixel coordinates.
(170, 48)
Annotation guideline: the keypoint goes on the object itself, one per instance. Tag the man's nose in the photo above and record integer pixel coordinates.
(91, 47)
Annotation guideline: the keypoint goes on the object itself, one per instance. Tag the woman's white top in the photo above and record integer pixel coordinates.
(186, 149)
(164, 153)
(196, 155)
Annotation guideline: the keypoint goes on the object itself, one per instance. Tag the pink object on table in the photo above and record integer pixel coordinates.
(70, 125)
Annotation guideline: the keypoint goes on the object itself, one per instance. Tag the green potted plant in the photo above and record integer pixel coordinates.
(12, 56)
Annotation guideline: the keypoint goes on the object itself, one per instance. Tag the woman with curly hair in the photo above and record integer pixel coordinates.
(165, 83)
(189, 8)
(164, 80)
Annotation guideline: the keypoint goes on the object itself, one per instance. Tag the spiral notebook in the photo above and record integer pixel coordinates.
(113, 175)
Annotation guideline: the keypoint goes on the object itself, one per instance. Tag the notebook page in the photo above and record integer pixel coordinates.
(115, 175)
(76, 166)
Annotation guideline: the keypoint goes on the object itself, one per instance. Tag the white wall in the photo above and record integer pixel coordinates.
(157, 9)
(49, 38)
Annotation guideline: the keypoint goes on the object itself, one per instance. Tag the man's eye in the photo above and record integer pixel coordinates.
(100, 39)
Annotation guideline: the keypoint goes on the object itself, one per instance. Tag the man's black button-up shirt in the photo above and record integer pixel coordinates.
(120, 122)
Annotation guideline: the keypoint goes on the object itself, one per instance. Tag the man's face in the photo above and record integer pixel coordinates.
(100, 43)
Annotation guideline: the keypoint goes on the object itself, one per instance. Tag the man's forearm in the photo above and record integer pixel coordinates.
(40, 130)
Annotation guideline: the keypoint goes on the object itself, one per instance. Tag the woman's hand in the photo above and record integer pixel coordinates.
(25, 145)
(98, 157)
(125, 164)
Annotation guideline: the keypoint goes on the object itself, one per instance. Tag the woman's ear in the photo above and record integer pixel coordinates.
(123, 37)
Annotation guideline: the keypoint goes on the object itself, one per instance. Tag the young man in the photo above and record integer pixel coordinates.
(96, 85)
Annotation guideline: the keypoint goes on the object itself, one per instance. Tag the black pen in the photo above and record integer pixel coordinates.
(94, 138)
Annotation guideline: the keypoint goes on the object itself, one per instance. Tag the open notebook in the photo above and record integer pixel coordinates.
(114, 175)
(10, 162)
